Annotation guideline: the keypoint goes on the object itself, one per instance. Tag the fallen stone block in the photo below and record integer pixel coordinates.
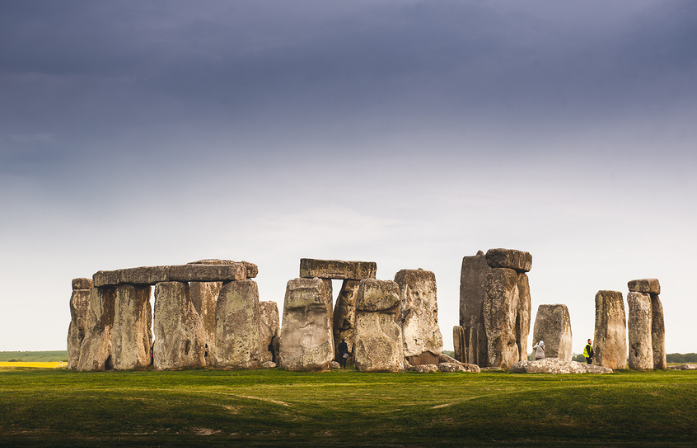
(237, 325)
(337, 269)
(95, 350)
(684, 367)
(553, 326)
(131, 337)
(425, 368)
(307, 340)
(509, 259)
(419, 314)
(334, 365)
(208, 272)
(556, 365)
(639, 331)
(646, 285)
(268, 365)
(609, 340)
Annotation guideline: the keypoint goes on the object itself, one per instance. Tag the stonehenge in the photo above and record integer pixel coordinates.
(609, 340)
(79, 314)
(553, 326)
(645, 325)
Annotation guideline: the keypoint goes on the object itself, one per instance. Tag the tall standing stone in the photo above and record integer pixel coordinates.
(79, 315)
(658, 334)
(344, 320)
(307, 340)
(459, 344)
(553, 326)
(269, 328)
(96, 350)
(131, 338)
(423, 341)
(237, 325)
(639, 329)
(204, 296)
(501, 317)
(472, 294)
(609, 340)
(179, 333)
(378, 345)
(524, 311)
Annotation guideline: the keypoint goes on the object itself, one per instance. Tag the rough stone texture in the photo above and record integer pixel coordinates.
(639, 331)
(425, 368)
(378, 336)
(334, 365)
(345, 317)
(645, 285)
(553, 326)
(131, 336)
(337, 269)
(658, 334)
(105, 278)
(269, 327)
(237, 325)
(179, 333)
(509, 259)
(307, 340)
(684, 367)
(82, 283)
(204, 296)
(556, 365)
(609, 340)
(193, 272)
(252, 269)
(446, 367)
(268, 365)
(472, 293)
(79, 315)
(208, 272)
(95, 351)
(459, 343)
(506, 317)
(419, 315)
(145, 275)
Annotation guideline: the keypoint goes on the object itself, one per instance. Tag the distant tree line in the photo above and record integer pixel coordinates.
(680, 358)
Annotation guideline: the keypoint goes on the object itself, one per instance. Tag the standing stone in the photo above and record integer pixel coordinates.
(307, 340)
(204, 296)
(79, 314)
(237, 325)
(459, 344)
(553, 326)
(658, 334)
(472, 294)
(179, 332)
(378, 334)
(269, 328)
(95, 351)
(131, 339)
(501, 317)
(609, 340)
(345, 316)
(523, 319)
(423, 341)
(639, 329)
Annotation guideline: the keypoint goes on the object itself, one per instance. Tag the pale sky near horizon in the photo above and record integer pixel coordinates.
(407, 133)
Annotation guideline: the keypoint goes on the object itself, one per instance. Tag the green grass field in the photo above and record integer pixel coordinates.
(46, 356)
(345, 408)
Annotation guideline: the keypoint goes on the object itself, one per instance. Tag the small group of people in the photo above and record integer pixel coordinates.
(588, 351)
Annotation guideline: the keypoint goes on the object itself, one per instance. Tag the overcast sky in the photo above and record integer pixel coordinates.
(407, 133)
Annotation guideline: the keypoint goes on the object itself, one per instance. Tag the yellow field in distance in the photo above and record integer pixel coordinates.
(40, 365)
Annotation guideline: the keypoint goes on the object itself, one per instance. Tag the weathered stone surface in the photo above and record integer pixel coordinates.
(684, 367)
(337, 269)
(307, 341)
(131, 339)
(423, 358)
(556, 365)
(79, 315)
(208, 272)
(345, 317)
(639, 331)
(204, 296)
(334, 365)
(268, 365)
(378, 336)
(609, 340)
(472, 293)
(658, 334)
(553, 326)
(425, 368)
(252, 269)
(105, 278)
(509, 259)
(459, 343)
(180, 336)
(502, 318)
(145, 275)
(645, 285)
(419, 314)
(82, 283)
(446, 367)
(524, 312)
(95, 351)
(237, 325)
(269, 327)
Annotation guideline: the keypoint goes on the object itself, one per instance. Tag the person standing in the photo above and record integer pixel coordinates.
(588, 352)
(539, 350)
(343, 353)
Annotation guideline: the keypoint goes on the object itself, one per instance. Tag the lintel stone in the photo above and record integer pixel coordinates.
(82, 283)
(337, 269)
(646, 286)
(208, 272)
(509, 258)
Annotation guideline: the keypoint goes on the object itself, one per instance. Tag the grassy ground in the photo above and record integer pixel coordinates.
(50, 356)
(345, 408)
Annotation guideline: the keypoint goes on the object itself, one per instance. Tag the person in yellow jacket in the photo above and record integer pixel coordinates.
(588, 352)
